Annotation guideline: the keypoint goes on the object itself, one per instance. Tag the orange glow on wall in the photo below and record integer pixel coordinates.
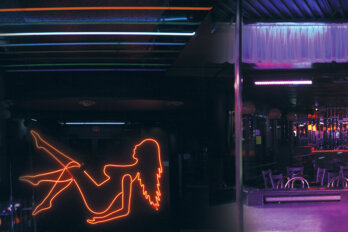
(309, 127)
(314, 128)
(65, 177)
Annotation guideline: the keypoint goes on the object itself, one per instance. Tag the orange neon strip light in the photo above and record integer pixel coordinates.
(107, 8)
(63, 178)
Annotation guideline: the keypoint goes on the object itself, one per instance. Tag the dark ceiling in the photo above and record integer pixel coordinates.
(56, 73)
(285, 10)
(119, 73)
(33, 53)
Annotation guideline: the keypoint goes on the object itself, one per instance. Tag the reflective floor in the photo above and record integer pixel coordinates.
(297, 217)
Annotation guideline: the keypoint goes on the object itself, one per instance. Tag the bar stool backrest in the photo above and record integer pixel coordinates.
(278, 181)
(294, 171)
(320, 176)
(344, 171)
(331, 175)
(268, 178)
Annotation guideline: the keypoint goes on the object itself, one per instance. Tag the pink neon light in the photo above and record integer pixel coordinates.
(304, 82)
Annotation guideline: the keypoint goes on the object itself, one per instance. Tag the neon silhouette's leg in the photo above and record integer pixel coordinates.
(124, 210)
(59, 156)
(45, 177)
(58, 186)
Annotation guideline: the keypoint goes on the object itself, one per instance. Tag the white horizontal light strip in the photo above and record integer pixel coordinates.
(97, 33)
(92, 123)
(303, 198)
(305, 82)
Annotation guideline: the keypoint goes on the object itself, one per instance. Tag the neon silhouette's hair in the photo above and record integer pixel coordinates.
(152, 194)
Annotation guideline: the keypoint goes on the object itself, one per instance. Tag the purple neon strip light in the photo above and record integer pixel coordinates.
(89, 70)
(303, 198)
(284, 82)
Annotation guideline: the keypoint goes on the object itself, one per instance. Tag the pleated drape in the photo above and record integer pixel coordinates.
(295, 43)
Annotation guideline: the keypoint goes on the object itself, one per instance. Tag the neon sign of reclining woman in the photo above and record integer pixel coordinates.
(73, 174)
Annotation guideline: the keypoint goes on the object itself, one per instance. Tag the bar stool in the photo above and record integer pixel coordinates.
(295, 174)
(275, 180)
(290, 183)
(319, 180)
(340, 179)
(294, 171)
(332, 177)
(344, 171)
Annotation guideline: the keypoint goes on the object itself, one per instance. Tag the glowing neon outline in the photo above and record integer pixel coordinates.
(74, 164)
(70, 22)
(91, 123)
(107, 8)
(83, 64)
(92, 43)
(87, 70)
(56, 33)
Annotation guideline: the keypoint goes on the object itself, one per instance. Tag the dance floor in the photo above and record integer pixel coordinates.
(297, 217)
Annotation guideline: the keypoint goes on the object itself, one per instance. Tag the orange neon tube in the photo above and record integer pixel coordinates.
(107, 8)
(63, 178)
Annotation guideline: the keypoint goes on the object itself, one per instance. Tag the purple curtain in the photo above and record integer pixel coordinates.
(295, 43)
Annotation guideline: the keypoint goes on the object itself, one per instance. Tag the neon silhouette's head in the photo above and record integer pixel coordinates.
(149, 170)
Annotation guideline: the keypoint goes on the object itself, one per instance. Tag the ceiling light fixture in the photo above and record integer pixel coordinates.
(90, 70)
(284, 82)
(97, 33)
(83, 64)
(91, 123)
(107, 8)
(91, 43)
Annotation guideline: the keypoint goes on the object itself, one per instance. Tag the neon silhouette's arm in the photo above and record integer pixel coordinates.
(94, 181)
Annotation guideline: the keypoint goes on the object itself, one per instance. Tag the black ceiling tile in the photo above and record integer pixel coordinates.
(250, 8)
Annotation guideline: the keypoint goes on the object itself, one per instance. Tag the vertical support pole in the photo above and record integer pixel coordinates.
(11, 200)
(238, 117)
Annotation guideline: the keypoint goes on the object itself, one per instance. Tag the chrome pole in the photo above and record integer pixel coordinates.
(238, 117)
